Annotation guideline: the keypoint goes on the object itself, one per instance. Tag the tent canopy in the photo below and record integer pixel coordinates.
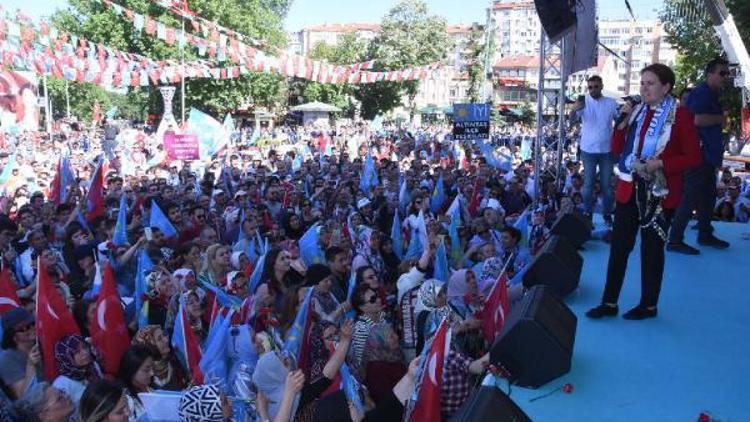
(316, 106)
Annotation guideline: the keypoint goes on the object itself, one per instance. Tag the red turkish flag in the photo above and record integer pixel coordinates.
(427, 407)
(108, 330)
(495, 309)
(53, 320)
(8, 297)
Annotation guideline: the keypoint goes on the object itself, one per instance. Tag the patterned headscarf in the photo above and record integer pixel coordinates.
(491, 271)
(147, 336)
(363, 248)
(181, 275)
(65, 351)
(201, 404)
(319, 352)
(427, 299)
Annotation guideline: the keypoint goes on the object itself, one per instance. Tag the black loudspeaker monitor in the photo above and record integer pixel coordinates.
(489, 404)
(556, 16)
(573, 226)
(558, 265)
(535, 345)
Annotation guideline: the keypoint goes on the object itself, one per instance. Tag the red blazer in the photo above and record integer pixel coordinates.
(682, 153)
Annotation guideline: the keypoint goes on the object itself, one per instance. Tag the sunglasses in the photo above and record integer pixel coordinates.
(373, 298)
(725, 73)
(24, 328)
(594, 86)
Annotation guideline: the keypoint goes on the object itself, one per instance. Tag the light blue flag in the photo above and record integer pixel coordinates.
(350, 292)
(160, 221)
(504, 164)
(438, 196)
(396, 236)
(211, 135)
(351, 389)
(295, 335)
(369, 176)
(241, 234)
(309, 247)
(440, 266)
(403, 196)
(456, 250)
(144, 266)
(225, 299)
(415, 249)
(214, 362)
(522, 224)
(255, 277)
(120, 236)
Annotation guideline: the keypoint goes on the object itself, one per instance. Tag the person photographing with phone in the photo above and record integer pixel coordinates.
(597, 114)
(655, 144)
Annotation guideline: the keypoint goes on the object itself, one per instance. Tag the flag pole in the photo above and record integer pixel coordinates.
(182, 69)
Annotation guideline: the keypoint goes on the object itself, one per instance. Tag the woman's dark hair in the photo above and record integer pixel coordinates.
(663, 72)
(513, 232)
(358, 296)
(99, 399)
(80, 308)
(131, 361)
(289, 307)
(360, 274)
(269, 275)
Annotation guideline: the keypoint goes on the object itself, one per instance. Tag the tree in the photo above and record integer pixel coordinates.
(475, 68)
(350, 49)
(258, 19)
(690, 30)
(408, 37)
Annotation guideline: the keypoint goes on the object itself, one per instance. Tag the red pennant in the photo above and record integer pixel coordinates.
(108, 330)
(8, 296)
(427, 407)
(495, 309)
(53, 320)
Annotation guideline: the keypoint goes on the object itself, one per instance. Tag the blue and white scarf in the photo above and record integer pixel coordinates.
(657, 135)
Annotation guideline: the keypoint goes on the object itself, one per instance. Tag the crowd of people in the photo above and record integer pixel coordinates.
(354, 225)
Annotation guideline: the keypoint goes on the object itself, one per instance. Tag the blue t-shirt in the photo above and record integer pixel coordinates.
(703, 100)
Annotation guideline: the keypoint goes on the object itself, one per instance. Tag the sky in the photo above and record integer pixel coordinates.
(310, 12)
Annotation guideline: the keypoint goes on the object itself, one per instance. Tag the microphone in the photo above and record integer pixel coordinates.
(634, 100)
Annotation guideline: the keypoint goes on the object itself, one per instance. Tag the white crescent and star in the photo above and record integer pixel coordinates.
(101, 311)
(8, 301)
(432, 368)
(52, 312)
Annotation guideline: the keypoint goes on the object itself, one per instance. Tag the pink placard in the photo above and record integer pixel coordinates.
(181, 147)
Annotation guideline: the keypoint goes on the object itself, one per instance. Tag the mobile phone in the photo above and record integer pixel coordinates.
(148, 233)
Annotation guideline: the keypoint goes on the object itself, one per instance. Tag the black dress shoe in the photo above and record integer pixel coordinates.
(640, 312)
(714, 242)
(602, 311)
(683, 248)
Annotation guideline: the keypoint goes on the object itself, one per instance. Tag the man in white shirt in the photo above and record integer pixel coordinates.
(597, 114)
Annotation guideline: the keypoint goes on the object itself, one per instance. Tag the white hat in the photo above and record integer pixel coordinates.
(363, 203)
(240, 193)
(218, 192)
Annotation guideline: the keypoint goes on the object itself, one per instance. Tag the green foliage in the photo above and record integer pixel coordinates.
(350, 49)
(475, 67)
(258, 19)
(691, 32)
(409, 37)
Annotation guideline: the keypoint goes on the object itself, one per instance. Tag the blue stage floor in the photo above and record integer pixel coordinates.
(695, 356)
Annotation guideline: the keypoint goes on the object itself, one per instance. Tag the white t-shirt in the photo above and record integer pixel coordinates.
(597, 119)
